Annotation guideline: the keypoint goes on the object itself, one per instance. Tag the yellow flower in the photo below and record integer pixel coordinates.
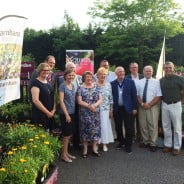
(22, 160)
(25, 170)
(31, 125)
(2, 169)
(40, 125)
(23, 147)
(36, 137)
(14, 149)
(31, 139)
(10, 153)
(34, 146)
(46, 142)
(12, 163)
(43, 135)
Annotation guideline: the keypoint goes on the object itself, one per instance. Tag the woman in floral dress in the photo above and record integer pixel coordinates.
(89, 99)
(105, 108)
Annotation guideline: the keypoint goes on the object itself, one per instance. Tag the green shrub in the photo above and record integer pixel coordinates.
(28, 150)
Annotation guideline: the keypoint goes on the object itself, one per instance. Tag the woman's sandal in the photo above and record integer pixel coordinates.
(72, 157)
(65, 159)
(84, 155)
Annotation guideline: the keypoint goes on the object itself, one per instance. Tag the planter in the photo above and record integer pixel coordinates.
(48, 176)
(52, 176)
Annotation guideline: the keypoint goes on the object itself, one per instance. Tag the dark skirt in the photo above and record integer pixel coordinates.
(67, 128)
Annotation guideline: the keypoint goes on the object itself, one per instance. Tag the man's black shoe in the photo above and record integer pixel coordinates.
(153, 148)
(142, 145)
(120, 146)
(128, 150)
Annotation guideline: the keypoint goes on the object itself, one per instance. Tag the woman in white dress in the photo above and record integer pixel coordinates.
(105, 108)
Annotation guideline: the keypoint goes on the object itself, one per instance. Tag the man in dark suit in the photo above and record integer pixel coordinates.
(134, 75)
(124, 107)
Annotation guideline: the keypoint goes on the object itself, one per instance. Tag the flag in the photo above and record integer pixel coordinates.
(160, 71)
(11, 39)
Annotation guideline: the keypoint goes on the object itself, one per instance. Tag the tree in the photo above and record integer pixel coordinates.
(135, 30)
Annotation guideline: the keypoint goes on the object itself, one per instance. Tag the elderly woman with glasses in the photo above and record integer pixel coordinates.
(43, 106)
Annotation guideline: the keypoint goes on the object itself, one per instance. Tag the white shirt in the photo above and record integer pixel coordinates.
(136, 80)
(111, 76)
(153, 89)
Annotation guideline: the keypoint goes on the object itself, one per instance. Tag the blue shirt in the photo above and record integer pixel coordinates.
(69, 98)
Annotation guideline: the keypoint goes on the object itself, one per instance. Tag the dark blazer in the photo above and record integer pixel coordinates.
(130, 77)
(129, 95)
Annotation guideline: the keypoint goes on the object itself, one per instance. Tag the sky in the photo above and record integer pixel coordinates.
(46, 14)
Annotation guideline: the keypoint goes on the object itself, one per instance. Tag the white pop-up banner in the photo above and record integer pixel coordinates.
(11, 39)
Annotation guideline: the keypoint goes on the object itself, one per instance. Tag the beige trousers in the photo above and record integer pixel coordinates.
(148, 120)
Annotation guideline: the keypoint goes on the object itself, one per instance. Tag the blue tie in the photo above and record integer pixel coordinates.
(145, 91)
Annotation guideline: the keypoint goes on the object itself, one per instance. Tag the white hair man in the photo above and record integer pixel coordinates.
(149, 95)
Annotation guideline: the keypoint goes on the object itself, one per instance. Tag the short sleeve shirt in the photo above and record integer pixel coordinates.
(171, 88)
(69, 98)
(153, 89)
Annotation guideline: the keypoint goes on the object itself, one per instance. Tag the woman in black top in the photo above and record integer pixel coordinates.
(43, 106)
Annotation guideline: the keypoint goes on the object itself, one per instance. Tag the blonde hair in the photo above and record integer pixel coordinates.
(102, 70)
(41, 66)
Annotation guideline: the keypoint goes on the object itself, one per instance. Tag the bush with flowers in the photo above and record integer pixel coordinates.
(26, 151)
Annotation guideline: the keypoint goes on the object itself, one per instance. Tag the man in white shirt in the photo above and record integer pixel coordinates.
(111, 75)
(135, 76)
(149, 95)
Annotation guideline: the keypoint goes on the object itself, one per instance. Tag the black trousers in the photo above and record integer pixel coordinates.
(120, 116)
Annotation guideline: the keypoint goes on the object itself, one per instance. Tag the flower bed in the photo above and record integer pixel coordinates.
(26, 151)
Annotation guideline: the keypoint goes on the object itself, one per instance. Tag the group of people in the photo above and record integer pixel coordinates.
(91, 104)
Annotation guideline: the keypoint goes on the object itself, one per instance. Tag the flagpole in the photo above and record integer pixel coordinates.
(160, 71)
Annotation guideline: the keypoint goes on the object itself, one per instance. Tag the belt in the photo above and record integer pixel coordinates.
(171, 102)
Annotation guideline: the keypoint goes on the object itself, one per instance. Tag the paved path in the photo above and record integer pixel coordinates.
(117, 167)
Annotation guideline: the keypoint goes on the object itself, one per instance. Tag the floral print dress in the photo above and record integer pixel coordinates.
(90, 129)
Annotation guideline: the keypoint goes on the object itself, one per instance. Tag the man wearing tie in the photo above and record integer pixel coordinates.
(149, 95)
(124, 107)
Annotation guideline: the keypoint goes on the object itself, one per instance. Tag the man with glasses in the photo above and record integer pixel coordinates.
(135, 76)
(111, 75)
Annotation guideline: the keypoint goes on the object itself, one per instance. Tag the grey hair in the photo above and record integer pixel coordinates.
(68, 64)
